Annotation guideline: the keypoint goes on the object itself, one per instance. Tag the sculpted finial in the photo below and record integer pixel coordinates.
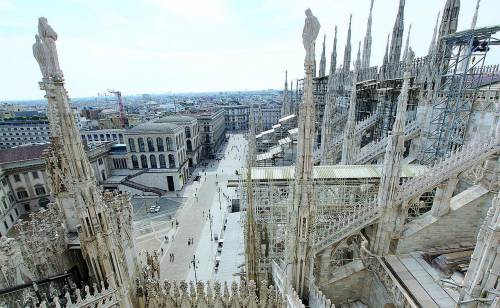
(309, 35)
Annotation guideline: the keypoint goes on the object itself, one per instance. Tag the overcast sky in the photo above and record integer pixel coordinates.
(158, 46)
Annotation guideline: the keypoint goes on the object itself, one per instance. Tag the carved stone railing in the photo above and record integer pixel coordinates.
(458, 162)
(368, 122)
(346, 225)
(396, 291)
(210, 294)
(293, 300)
(375, 149)
(317, 299)
(361, 126)
(106, 298)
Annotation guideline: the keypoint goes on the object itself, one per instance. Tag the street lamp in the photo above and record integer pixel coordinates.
(220, 206)
(194, 267)
(210, 219)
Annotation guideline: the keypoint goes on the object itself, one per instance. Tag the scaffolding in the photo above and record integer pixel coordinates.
(339, 190)
(462, 73)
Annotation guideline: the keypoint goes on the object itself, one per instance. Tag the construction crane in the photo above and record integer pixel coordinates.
(123, 119)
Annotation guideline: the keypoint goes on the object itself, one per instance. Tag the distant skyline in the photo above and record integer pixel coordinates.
(159, 46)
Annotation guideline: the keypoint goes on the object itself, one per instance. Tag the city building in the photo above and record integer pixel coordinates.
(270, 116)
(159, 147)
(24, 184)
(191, 134)
(236, 117)
(15, 132)
(212, 131)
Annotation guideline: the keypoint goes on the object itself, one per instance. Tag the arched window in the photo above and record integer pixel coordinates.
(169, 144)
(171, 161)
(188, 132)
(163, 164)
(141, 144)
(144, 162)
(152, 161)
(159, 144)
(189, 146)
(135, 162)
(151, 146)
(131, 144)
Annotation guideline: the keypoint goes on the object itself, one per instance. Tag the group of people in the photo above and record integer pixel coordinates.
(190, 241)
(172, 257)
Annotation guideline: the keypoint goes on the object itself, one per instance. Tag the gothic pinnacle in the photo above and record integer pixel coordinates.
(322, 63)
(358, 58)
(434, 35)
(405, 54)
(474, 18)
(367, 44)
(347, 50)
(333, 60)
(397, 34)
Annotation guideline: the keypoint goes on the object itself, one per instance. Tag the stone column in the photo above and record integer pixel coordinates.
(442, 198)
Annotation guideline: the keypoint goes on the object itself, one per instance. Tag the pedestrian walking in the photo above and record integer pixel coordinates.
(162, 251)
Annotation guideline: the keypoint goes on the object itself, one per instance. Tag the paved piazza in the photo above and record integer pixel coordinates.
(190, 208)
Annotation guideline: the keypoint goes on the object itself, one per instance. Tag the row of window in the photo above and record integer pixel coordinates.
(152, 162)
(23, 194)
(24, 134)
(103, 137)
(151, 144)
(23, 139)
(34, 174)
(27, 128)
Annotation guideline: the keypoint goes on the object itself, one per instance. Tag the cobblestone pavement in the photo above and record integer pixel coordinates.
(201, 198)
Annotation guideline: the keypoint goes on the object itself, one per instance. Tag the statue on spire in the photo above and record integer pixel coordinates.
(39, 54)
(45, 50)
(309, 35)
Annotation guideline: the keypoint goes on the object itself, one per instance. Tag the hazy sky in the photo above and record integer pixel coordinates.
(158, 46)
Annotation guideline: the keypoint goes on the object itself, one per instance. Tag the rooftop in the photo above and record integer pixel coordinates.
(184, 119)
(22, 153)
(332, 172)
(156, 127)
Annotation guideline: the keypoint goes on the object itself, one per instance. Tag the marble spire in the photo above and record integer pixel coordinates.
(397, 35)
(349, 146)
(474, 18)
(322, 63)
(285, 106)
(300, 229)
(251, 241)
(391, 171)
(385, 61)
(330, 100)
(103, 221)
(449, 22)
(367, 43)
(407, 45)
(432, 46)
(347, 50)
(333, 58)
(482, 274)
(358, 58)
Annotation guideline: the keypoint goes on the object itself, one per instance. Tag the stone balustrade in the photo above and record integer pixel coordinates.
(154, 294)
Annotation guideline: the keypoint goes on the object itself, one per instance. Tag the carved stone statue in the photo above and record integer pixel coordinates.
(45, 51)
(39, 54)
(309, 35)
